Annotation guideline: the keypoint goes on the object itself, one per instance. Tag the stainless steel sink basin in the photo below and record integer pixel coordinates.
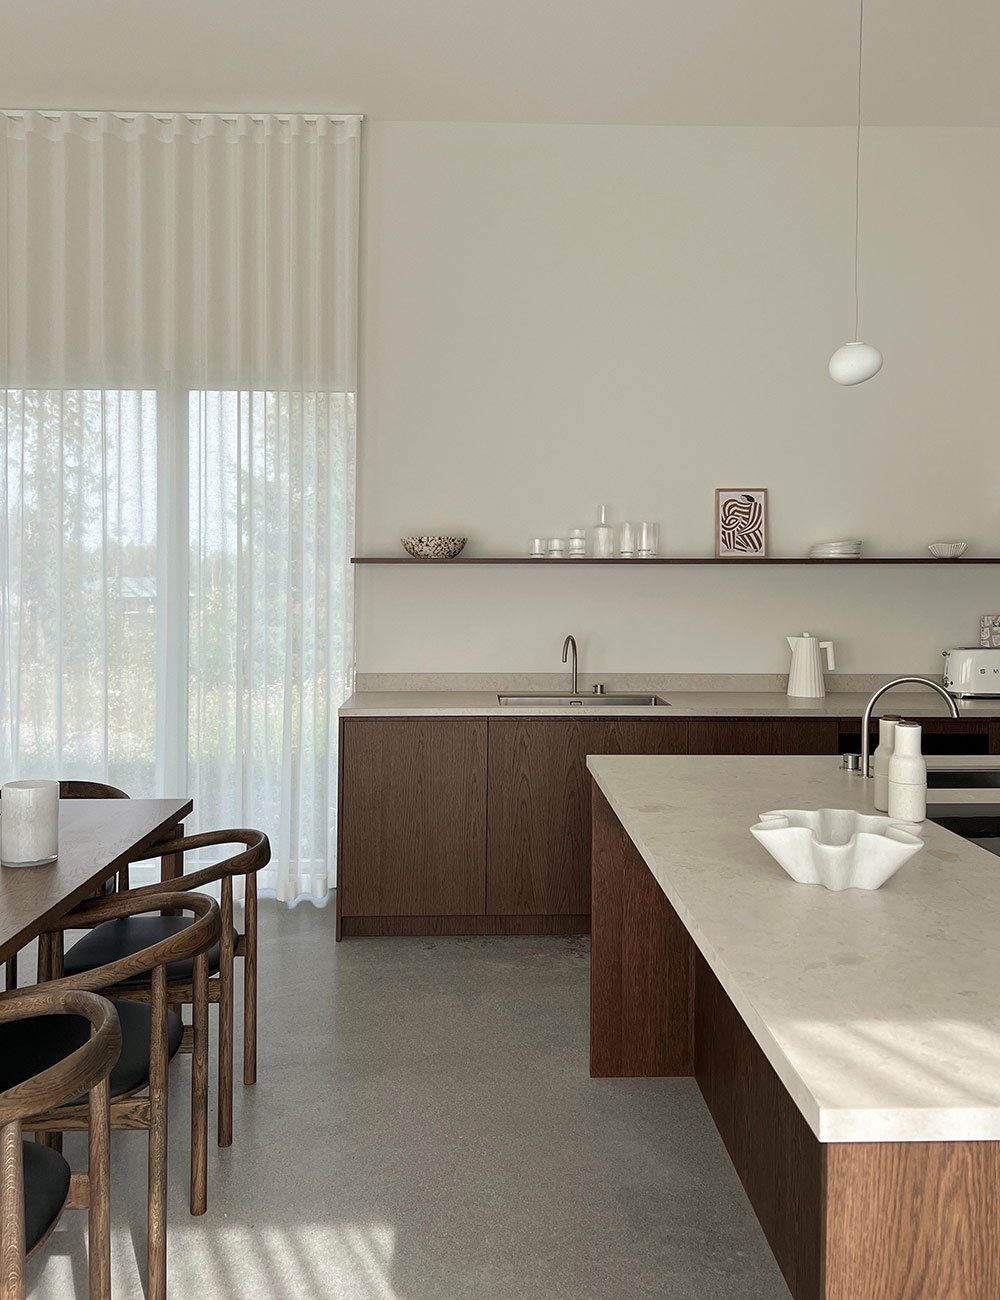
(983, 778)
(584, 701)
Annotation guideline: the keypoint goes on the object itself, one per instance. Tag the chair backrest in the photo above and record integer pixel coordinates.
(191, 942)
(255, 855)
(89, 790)
(76, 1073)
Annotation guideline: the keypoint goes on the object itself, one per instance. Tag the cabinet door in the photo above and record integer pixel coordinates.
(413, 817)
(764, 736)
(539, 805)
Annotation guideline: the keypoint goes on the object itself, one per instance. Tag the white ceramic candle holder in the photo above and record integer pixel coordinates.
(836, 847)
(29, 823)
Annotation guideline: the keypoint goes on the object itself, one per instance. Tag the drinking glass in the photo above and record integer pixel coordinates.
(647, 537)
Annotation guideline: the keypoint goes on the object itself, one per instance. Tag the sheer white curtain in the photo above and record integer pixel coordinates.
(178, 326)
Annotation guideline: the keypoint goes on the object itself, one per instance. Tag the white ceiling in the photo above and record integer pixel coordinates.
(759, 62)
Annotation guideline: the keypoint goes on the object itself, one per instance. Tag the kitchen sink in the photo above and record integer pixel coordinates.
(965, 778)
(615, 700)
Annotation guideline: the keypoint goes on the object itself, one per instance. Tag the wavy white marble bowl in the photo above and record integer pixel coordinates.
(836, 847)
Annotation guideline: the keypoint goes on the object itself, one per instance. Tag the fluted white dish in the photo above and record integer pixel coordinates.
(836, 847)
(947, 550)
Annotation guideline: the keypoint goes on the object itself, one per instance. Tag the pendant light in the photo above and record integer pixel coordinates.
(856, 361)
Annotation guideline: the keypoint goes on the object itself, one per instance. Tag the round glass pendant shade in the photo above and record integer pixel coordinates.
(854, 363)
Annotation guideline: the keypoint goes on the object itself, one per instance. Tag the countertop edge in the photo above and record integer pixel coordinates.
(680, 704)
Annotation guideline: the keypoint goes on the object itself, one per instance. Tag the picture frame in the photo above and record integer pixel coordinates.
(741, 523)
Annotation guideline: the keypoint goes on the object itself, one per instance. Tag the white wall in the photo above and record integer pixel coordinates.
(556, 317)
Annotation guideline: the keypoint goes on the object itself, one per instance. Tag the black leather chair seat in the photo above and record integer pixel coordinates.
(27, 1047)
(46, 1186)
(116, 939)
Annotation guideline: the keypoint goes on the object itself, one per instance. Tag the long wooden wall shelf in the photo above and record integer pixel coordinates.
(636, 563)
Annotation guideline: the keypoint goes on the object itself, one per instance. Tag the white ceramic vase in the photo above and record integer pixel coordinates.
(29, 823)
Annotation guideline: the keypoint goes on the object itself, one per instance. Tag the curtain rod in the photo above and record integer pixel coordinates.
(164, 115)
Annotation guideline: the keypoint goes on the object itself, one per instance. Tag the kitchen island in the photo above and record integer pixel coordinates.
(847, 1045)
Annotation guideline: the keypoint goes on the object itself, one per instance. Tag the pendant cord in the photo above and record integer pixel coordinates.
(857, 172)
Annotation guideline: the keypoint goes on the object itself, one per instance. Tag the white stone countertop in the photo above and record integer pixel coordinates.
(681, 704)
(880, 1011)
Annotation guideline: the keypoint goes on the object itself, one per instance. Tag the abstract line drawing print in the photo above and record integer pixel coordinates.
(741, 522)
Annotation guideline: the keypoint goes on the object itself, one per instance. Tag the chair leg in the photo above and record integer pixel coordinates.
(11, 1213)
(50, 966)
(199, 1087)
(156, 1233)
(250, 984)
(226, 1017)
(99, 1182)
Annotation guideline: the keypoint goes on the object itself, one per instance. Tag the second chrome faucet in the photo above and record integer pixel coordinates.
(568, 645)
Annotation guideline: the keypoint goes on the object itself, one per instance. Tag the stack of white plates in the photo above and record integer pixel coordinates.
(849, 550)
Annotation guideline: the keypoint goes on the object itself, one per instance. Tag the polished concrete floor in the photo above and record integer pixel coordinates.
(424, 1128)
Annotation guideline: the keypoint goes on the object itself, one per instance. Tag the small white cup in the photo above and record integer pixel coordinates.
(537, 547)
(29, 823)
(557, 548)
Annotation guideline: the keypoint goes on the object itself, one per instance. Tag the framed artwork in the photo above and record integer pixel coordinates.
(741, 523)
(989, 630)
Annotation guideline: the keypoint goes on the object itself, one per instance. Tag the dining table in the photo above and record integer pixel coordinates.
(97, 838)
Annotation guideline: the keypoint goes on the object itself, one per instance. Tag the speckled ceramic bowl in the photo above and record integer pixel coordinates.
(433, 547)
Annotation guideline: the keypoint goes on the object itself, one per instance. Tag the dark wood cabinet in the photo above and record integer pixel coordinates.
(539, 805)
(413, 817)
(940, 735)
(763, 736)
(483, 825)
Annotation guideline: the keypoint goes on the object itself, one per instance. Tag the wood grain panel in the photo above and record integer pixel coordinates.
(480, 924)
(641, 964)
(763, 736)
(539, 804)
(777, 1156)
(913, 1221)
(413, 817)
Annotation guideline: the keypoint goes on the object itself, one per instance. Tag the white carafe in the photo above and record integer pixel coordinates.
(805, 675)
(881, 757)
(907, 775)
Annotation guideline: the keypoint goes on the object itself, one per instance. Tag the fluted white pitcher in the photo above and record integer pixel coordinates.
(805, 675)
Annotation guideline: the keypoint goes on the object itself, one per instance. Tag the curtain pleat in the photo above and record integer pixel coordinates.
(178, 358)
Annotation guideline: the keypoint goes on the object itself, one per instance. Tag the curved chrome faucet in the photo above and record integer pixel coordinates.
(570, 644)
(898, 681)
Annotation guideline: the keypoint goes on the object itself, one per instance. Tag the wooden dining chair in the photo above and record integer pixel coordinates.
(113, 941)
(151, 1035)
(36, 1183)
